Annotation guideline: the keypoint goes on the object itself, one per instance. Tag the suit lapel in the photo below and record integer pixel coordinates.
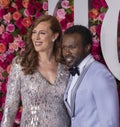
(77, 84)
(66, 97)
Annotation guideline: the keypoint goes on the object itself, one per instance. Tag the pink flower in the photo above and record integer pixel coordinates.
(63, 23)
(21, 44)
(2, 48)
(3, 101)
(10, 28)
(26, 22)
(19, 4)
(2, 28)
(26, 13)
(69, 17)
(13, 46)
(38, 14)
(1, 114)
(9, 57)
(93, 29)
(8, 38)
(23, 30)
(65, 4)
(31, 9)
(19, 40)
(70, 24)
(2, 58)
(11, 9)
(25, 3)
(7, 17)
(61, 13)
(2, 13)
(16, 15)
(14, 5)
(3, 65)
(98, 30)
(101, 16)
(38, 6)
(45, 6)
(8, 68)
(98, 4)
(19, 23)
(3, 88)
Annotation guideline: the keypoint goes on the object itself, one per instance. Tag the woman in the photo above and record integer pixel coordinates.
(39, 79)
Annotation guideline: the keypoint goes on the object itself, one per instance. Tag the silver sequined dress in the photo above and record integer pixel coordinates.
(42, 102)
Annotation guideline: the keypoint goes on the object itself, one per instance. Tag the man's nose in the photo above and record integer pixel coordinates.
(67, 51)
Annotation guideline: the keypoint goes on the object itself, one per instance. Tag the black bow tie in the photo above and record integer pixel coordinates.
(74, 70)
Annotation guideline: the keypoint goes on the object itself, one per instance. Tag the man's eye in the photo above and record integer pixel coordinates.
(72, 47)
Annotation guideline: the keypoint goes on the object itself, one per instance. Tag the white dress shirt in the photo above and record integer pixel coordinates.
(73, 79)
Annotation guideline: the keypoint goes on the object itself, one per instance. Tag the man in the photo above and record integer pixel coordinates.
(91, 97)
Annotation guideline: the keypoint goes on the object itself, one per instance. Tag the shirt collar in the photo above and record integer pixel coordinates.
(84, 62)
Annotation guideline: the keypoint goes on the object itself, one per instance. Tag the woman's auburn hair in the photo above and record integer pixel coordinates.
(29, 58)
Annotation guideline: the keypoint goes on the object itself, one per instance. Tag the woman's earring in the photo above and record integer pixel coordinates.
(53, 40)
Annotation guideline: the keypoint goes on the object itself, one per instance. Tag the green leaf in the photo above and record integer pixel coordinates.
(4, 74)
(102, 9)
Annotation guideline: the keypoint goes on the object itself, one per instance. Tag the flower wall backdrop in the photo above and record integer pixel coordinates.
(16, 16)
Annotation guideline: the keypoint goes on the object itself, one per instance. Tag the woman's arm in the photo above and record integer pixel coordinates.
(12, 97)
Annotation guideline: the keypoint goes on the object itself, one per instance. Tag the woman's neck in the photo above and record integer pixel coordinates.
(46, 58)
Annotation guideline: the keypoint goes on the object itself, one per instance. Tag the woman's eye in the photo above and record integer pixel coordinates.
(42, 33)
(33, 32)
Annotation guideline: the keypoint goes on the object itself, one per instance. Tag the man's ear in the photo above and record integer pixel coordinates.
(88, 48)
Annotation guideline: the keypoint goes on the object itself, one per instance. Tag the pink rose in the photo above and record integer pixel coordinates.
(98, 4)
(7, 37)
(38, 14)
(23, 30)
(9, 57)
(14, 5)
(3, 101)
(31, 9)
(25, 3)
(3, 88)
(7, 17)
(21, 44)
(70, 24)
(69, 17)
(101, 16)
(2, 13)
(10, 28)
(63, 23)
(1, 114)
(2, 58)
(38, 6)
(11, 9)
(2, 28)
(26, 13)
(16, 15)
(19, 4)
(13, 46)
(2, 48)
(26, 22)
(19, 23)
(98, 30)
(45, 6)
(3, 65)
(93, 29)
(61, 13)
(65, 4)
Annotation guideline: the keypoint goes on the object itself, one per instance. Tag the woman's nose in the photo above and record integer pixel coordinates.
(38, 36)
